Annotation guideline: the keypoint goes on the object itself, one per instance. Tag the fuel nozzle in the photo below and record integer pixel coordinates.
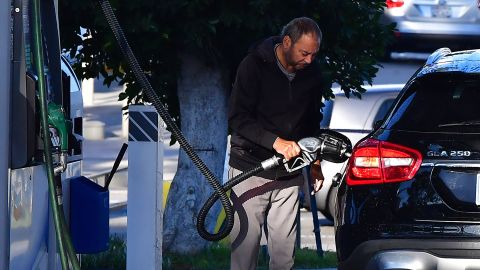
(58, 135)
(335, 147)
(330, 145)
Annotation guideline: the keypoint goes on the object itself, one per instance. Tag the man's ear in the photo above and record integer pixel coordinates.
(286, 42)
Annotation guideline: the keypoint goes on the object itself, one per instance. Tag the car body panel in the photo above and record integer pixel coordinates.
(413, 256)
(353, 117)
(465, 62)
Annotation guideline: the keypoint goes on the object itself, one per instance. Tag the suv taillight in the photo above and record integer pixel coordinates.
(394, 3)
(378, 162)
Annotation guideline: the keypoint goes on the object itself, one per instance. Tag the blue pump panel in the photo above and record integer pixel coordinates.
(89, 216)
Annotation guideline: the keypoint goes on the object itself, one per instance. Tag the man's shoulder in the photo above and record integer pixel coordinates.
(264, 48)
(251, 61)
(260, 56)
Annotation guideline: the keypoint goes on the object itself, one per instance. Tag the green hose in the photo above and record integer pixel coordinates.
(63, 237)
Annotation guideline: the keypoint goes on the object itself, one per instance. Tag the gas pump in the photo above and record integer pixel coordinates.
(27, 234)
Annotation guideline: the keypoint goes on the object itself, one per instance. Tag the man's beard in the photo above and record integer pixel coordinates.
(289, 59)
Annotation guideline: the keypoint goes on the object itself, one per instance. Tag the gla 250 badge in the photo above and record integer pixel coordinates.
(449, 153)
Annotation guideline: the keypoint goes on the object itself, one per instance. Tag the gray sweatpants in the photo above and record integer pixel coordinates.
(258, 202)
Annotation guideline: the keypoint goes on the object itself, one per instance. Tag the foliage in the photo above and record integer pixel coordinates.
(308, 258)
(215, 257)
(95, 51)
(218, 257)
(220, 32)
(353, 41)
(113, 258)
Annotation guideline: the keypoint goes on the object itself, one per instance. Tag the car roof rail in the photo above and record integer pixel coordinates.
(436, 55)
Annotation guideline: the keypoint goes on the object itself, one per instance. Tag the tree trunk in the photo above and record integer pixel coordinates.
(203, 109)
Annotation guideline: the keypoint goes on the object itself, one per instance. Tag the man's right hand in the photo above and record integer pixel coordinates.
(288, 149)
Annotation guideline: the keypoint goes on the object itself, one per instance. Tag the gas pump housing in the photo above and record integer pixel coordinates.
(27, 234)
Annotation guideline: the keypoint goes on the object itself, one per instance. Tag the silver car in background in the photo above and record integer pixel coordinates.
(354, 118)
(425, 25)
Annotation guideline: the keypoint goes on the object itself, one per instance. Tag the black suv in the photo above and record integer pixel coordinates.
(409, 197)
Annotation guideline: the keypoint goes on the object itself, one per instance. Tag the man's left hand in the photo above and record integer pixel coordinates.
(317, 177)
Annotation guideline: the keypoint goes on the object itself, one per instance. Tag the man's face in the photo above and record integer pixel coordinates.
(301, 53)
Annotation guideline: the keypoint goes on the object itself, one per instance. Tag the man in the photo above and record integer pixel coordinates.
(275, 102)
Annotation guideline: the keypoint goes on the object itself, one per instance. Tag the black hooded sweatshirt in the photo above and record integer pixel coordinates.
(265, 105)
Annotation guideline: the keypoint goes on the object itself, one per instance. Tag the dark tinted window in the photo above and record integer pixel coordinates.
(382, 111)
(440, 103)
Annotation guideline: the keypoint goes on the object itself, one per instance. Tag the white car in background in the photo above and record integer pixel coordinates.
(354, 118)
(425, 25)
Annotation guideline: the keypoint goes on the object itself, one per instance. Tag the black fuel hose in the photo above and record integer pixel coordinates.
(155, 100)
(211, 201)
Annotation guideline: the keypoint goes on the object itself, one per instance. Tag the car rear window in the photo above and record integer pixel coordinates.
(439, 102)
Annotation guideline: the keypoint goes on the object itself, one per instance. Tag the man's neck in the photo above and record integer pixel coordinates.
(282, 59)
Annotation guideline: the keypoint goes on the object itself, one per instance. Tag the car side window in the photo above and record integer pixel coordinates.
(382, 110)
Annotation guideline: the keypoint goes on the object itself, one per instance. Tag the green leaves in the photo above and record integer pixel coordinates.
(220, 32)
